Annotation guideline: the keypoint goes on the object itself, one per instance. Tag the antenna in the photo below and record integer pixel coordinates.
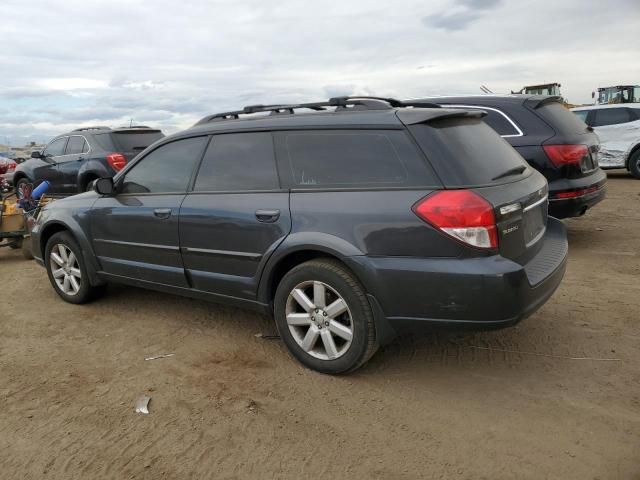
(130, 123)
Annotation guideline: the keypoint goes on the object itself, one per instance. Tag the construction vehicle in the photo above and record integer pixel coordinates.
(542, 89)
(617, 94)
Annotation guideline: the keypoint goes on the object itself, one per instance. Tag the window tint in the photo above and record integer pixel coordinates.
(611, 116)
(56, 147)
(135, 141)
(355, 159)
(238, 161)
(499, 123)
(165, 170)
(560, 118)
(467, 152)
(582, 115)
(76, 145)
(495, 119)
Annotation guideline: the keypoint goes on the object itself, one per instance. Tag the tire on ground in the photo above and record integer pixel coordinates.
(634, 164)
(339, 278)
(86, 292)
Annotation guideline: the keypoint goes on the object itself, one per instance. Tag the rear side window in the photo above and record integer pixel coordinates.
(354, 159)
(238, 161)
(560, 118)
(76, 145)
(467, 152)
(167, 169)
(495, 119)
(611, 116)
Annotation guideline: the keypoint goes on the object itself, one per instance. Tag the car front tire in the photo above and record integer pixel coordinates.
(634, 164)
(67, 270)
(324, 318)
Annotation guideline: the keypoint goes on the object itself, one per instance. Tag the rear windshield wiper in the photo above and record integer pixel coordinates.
(512, 171)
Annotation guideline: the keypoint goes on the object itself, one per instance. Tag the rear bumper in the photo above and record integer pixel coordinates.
(578, 205)
(486, 292)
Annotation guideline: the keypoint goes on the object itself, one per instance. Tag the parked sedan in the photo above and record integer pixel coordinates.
(618, 127)
(7, 171)
(552, 140)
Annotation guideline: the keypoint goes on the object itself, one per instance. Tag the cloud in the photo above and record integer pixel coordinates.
(168, 63)
(460, 15)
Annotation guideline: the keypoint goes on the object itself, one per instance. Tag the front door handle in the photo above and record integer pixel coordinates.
(267, 216)
(162, 212)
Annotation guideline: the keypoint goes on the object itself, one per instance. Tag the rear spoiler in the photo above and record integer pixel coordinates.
(412, 116)
(538, 101)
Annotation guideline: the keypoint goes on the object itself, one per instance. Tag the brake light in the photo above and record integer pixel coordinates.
(117, 161)
(461, 214)
(566, 154)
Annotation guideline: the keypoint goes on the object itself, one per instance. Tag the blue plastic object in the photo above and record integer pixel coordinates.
(40, 190)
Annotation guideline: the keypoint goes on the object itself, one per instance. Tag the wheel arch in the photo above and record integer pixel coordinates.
(633, 150)
(56, 226)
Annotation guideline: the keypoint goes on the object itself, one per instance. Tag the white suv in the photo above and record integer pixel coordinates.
(618, 127)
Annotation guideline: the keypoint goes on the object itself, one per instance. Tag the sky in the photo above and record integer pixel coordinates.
(165, 63)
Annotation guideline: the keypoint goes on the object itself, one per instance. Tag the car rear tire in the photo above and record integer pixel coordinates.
(67, 270)
(634, 164)
(20, 186)
(324, 318)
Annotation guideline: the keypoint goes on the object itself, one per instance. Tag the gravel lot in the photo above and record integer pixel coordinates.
(228, 405)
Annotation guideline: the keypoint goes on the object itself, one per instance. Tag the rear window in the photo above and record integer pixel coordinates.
(354, 158)
(560, 118)
(467, 152)
(135, 141)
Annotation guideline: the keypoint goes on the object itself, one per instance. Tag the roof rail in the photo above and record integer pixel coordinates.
(341, 103)
(90, 128)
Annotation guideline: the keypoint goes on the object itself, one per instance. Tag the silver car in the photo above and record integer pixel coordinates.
(618, 127)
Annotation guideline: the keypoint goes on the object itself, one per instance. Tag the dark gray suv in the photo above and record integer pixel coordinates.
(348, 220)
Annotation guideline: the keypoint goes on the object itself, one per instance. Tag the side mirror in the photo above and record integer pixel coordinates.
(104, 186)
(36, 154)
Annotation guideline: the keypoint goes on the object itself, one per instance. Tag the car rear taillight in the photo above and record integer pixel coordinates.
(566, 154)
(461, 214)
(117, 161)
(574, 193)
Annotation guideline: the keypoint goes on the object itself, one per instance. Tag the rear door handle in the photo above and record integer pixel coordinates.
(162, 212)
(267, 216)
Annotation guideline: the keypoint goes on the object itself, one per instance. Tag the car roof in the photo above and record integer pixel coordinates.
(608, 105)
(366, 112)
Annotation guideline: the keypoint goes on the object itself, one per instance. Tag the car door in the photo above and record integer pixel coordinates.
(235, 216)
(617, 129)
(48, 169)
(69, 164)
(135, 231)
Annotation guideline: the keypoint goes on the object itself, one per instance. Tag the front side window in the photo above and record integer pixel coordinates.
(56, 148)
(611, 116)
(356, 158)
(167, 169)
(238, 161)
(76, 145)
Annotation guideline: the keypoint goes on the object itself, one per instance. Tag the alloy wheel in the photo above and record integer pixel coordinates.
(319, 320)
(65, 269)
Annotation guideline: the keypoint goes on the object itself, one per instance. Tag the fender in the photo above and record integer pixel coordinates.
(92, 168)
(297, 242)
(71, 220)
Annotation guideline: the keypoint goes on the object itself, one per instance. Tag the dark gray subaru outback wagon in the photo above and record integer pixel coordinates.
(348, 220)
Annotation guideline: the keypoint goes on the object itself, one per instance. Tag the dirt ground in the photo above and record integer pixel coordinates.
(492, 405)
